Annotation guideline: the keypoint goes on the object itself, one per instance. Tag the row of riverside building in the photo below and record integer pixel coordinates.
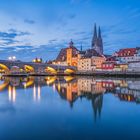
(94, 59)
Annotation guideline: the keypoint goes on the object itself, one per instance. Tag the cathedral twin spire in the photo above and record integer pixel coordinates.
(97, 43)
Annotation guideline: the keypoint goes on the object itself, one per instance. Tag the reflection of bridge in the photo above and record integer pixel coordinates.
(19, 67)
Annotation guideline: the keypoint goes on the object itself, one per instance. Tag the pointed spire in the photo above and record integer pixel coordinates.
(94, 39)
(99, 33)
(95, 31)
(81, 47)
(71, 43)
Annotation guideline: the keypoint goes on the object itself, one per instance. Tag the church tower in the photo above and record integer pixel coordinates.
(100, 41)
(94, 39)
(69, 53)
(97, 43)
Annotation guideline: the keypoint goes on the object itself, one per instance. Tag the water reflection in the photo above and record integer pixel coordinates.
(72, 88)
(36, 92)
(12, 93)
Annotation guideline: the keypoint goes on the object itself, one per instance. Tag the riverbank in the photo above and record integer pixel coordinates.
(110, 74)
(27, 75)
(95, 73)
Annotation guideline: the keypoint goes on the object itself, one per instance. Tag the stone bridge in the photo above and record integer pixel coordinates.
(15, 67)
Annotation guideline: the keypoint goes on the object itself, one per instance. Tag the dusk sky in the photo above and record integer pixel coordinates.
(40, 28)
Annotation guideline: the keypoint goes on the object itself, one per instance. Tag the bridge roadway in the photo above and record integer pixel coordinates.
(36, 66)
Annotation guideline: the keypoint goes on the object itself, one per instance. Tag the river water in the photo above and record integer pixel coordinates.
(69, 108)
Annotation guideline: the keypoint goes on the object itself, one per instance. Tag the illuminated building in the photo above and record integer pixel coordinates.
(112, 64)
(84, 64)
(68, 56)
(90, 61)
(74, 57)
(37, 60)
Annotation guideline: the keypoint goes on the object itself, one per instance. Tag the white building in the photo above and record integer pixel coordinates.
(128, 55)
(134, 66)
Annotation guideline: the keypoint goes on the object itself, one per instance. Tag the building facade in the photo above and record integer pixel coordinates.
(90, 61)
(97, 61)
(134, 66)
(108, 66)
(85, 64)
(87, 60)
(67, 56)
(128, 55)
(72, 55)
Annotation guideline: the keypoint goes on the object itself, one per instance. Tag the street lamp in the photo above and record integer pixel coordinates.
(12, 58)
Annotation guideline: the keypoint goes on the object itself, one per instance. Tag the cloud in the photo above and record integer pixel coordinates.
(9, 37)
(29, 21)
(12, 33)
(27, 53)
(52, 41)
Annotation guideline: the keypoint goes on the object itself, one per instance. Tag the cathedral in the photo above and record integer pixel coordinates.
(74, 57)
(97, 42)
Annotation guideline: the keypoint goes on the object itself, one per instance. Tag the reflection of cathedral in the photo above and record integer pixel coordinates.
(97, 103)
(83, 88)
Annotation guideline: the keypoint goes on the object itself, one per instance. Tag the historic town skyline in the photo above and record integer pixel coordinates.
(28, 30)
(69, 69)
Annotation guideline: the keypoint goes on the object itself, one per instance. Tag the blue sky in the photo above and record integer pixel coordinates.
(40, 28)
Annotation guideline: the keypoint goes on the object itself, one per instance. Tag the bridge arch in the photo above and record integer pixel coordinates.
(69, 71)
(4, 85)
(4, 67)
(68, 78)
(29, 82)
(51, 70)
(50, 80)
(29, 68)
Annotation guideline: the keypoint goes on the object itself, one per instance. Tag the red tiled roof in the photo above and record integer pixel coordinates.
(126, 52)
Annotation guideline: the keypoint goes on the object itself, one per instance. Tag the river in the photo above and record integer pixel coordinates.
(69, 108)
